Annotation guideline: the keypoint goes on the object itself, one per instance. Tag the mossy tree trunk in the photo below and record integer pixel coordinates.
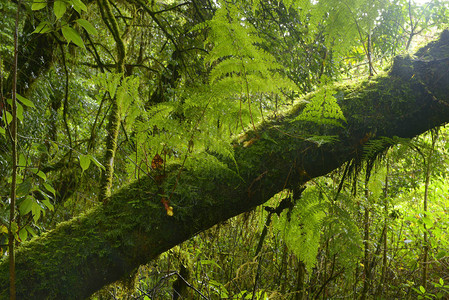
(80, 256)
(114, 115)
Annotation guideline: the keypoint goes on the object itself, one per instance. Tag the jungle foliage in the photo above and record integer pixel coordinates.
(109, 95)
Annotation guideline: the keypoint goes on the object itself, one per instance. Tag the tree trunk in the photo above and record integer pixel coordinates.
(380, 290)
(80, 256)
(428, 174)
(366, 242)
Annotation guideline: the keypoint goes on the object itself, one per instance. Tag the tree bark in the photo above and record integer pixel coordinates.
(80, 256)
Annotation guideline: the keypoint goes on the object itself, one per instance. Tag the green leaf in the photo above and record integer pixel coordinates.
(22, 160)
(39, 173)
(42, 175)
(96, 162)
(25, 205)
(422, 289)
(220, 288)
(38, 4)
(25, 101)
(46, 196)
(86, 25)
(43, 27)
(8, 117)
(428, 221)
(71, 35)
(19, 111)
(36, 210)
(23, 234)
(50, 188)
(84, 162)
(24, 188)
(78, 5)
(440, 254)
(2, 131)
(59, 8)
(55, 146)
(48, 204)
(31, 230)
(40, 147)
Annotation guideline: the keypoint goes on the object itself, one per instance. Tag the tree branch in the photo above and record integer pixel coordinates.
(80, 256)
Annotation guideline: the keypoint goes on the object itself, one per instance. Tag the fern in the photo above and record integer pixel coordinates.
(342, 231)
(313, 218)
(377, 146)
(323, 109)
(344, 21)
(244, 82)
(241, 70)
(302, 233)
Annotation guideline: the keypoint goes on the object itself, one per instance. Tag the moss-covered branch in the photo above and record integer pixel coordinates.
(99, 247)
(114, 115)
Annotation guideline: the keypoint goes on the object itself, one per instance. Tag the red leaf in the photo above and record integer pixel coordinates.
(157, 162)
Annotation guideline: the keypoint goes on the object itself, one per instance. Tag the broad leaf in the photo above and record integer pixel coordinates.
(31, 231)
(96, 162)
(8, 117)
(43, 27)
(50, 188)
(3, 229)
(14, 227)
(78, 5)
(71, 35)
(19, 111)
(25, 101)
(48, 204)
(86, 25)
(38, 4)
(36, 210)
(23, 234)
(84, 162)
(25, 205)
(24, 188)
(59, 8)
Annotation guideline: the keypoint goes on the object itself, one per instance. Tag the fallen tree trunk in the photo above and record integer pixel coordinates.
(80, 256)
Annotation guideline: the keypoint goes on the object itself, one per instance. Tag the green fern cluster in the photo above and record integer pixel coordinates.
(239, 63)
(323, 109)
(302, 231)
(241, 71)
(344, 21)
(125, 90)
(245, 81)
(343, 233)
(316, 218)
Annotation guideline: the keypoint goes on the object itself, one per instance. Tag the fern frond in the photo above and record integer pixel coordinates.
(302, 233)
(323, 109)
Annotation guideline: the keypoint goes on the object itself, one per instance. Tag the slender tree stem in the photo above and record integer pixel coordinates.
(13, 129)
(385, 242)
(367, 271)
(114, 115)
(426, 197)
